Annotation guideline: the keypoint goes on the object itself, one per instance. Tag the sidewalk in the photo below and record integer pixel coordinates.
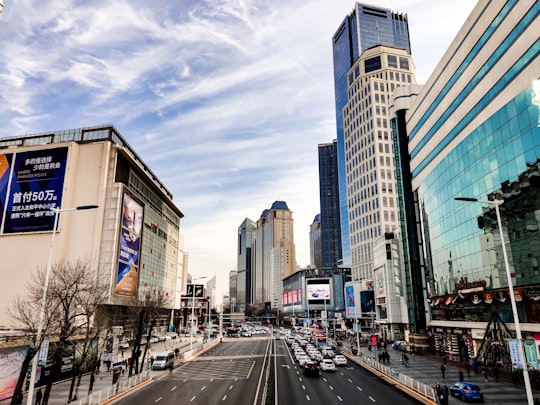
(427, 369)
(104, 380)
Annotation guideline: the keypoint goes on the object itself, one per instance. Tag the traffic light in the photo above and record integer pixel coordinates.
(374, 340)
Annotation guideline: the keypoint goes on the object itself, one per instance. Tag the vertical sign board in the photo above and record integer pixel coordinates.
(515, 354)
(129, 247)
(31, 183)
(530, 353)
(349, 301)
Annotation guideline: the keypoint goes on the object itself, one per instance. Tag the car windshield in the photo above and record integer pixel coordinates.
(472, 387)
(161, 358)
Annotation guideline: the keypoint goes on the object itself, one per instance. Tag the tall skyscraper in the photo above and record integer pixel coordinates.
(315, 246)
(246, 234)
(371, 57)
(331, 251)
(275, 256)
(366, 26)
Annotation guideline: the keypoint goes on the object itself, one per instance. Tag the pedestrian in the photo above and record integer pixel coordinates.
(475, 366)
(515, 378)
(108, 366)
(460, 376)
(485, 373)
(92, 381)
(468, 368)
(176, 352)
(496, 373)
(438, 390)
(445, 393)
(20, 398)
(443, 369)
(39, 395)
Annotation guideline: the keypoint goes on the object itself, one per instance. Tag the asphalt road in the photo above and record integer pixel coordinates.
(253, 371)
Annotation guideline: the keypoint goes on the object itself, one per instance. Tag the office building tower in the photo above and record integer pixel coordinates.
(365, 27)
(331, 252)
(315, 246)
(275, 256)
(246, 234)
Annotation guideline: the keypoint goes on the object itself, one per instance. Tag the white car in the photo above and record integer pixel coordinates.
(340, 360)
(328, 365)
(303, 360)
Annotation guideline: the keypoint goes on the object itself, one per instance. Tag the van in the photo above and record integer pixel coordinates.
(163, 360)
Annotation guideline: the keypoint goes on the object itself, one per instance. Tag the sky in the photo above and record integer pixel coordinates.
(224, 100)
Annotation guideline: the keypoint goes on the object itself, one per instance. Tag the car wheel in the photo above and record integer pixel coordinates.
(463, 398)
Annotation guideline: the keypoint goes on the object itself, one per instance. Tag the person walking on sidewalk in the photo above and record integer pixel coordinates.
(485, 373)
(443, 369)
(445, 393)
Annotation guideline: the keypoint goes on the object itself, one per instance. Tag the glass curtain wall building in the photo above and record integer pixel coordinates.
(329, 200)
(246, 233)
(473, 131)
(364, 27)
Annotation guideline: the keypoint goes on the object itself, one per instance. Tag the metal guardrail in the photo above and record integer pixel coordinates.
(98, 397)
(396, 375)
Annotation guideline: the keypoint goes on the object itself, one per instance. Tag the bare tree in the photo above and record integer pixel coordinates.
(145, 308)
(25, 312)
(73, 295)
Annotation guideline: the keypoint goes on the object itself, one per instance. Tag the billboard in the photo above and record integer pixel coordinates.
(129, 247)
(199, 290)
(350, 307)
(318, 292)
(31, 183)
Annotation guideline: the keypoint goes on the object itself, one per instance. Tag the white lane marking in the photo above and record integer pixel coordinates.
(203, 388)
(308, 398)
(339, 398)
(192, 399)
(303, 387)
(372, 399)
(332, 388)
(348, 379)
(173, 388)
(230, 387)
(224, 398)
(359, 389)
(324, 379)
(159, 399)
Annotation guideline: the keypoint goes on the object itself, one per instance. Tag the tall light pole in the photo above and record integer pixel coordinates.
(193, 312)
(526, 379)
(44, 297)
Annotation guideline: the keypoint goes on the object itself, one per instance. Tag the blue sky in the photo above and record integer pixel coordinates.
(225, 100)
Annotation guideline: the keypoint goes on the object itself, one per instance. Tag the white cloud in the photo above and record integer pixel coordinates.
(225, 100)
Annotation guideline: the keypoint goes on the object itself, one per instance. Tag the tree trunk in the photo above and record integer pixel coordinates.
(22, 375)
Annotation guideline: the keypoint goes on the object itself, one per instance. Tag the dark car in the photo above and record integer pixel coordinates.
(467, 391)
(312, 368)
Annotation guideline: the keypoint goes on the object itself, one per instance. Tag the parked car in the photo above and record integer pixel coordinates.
(328, 365)
(467, 391)
(123, 345)
(311, 369)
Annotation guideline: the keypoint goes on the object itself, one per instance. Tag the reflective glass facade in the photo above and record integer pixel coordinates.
(500, 159)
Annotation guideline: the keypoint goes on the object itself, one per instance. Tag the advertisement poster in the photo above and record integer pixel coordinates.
(515, 355)
(35, 185)
(11, 359)
(530, 353)
(129, 247)
(318, 292)
(349, 301)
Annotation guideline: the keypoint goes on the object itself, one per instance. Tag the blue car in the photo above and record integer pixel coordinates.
(466, 391)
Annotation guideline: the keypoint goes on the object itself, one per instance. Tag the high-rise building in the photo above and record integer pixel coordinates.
(473, 131)
(315, 245)
(369, 155)
(275, 256)
(331, 252)
(246, 234)
(365, 27)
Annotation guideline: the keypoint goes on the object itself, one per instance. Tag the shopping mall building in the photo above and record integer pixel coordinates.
(132, 238)
(473, 131)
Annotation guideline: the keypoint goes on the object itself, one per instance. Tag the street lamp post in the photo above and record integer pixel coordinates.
(193, 312)
(497, 204)
(44, 297)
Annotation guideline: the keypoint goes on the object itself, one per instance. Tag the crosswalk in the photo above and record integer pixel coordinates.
(215, 369)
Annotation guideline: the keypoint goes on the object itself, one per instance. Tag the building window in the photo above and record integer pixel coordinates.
(392, 61)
